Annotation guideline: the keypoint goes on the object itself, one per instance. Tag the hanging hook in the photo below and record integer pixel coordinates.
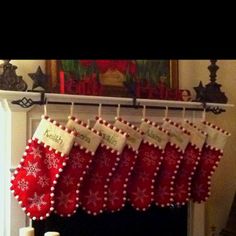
(99, 110)
(183, 113)
(72, 109)
(144, 111)
(204, 114)
(166, 112)
(45, 108)
(118, 111)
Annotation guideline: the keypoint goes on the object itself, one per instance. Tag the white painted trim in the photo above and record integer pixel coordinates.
(19, 126)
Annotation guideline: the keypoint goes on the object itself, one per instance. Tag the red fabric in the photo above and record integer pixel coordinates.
(164, 182)
(68, 186)
(118, 183)
(182, 188)
(35, 177)
(201, 182)
(140, 186)
(93, 193)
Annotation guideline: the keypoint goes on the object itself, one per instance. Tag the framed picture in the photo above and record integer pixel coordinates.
(123, 78)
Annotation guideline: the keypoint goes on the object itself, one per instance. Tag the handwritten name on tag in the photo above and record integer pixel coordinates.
(197, 137)
(110, 137)
(86, 137)
(134, 139)
(154, 135)
(177, 136)
(54, 136)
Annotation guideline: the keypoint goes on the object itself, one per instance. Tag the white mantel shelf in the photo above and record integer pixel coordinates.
(6, 97)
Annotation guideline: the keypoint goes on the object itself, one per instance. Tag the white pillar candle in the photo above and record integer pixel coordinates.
(27, 231)
(51, 233)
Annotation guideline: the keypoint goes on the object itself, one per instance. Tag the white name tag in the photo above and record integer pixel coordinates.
(110, 137)
(53, 136)
(177, 136)
(86, 137)
(134, 139)
(154, 135)
(197, 137)
(215, 138)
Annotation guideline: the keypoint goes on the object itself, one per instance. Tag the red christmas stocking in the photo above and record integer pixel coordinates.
(141, 183)
(81, 156)
(43, 160)
(211, 154)
(93, 193)
(118, 183)
(164, 183)
(191, 157)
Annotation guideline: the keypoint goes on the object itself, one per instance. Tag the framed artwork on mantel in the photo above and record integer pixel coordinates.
(157, 79)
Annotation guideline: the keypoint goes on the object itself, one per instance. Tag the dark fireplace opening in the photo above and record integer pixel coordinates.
(155, 221)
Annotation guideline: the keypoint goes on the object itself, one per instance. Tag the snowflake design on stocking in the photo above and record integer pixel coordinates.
(43, 181)
(51, 161)
(37, 201)
(36, 152)
(140, 195)
(150, 158)
(32, 169)
(191, 157)
(67, 180)
(96, 178)
(104, 161)
(93, 198)
(199, 190)
(162, 192)
(112, 195)
(64, 199)
(23, 184)
(181, 191)
(126, 161)
(117, 178)
(144, 176)
(77, 161)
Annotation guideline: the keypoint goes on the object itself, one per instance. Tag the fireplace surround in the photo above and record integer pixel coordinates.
(18, 125)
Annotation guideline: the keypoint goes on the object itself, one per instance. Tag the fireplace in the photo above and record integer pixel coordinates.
(155, 221)
(19, 125)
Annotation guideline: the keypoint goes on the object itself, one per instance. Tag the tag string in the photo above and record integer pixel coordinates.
(144, 111)
(99, 110)
(72, 109)
(118, 111)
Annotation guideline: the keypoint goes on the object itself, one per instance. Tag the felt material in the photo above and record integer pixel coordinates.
(34, 180)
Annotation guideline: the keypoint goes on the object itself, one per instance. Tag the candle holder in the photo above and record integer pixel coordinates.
(211, 92)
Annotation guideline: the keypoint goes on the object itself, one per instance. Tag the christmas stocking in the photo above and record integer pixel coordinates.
(164, 183)
(44, 158)
(211, 154)
(81, 156)
(141, 183)
(118, 183)
(187, 167)
(93, 194)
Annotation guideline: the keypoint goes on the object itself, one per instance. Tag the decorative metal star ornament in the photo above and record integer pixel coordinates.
(39, 79)
(200, 93)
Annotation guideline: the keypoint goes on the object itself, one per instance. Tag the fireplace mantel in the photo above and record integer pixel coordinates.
(18, 124)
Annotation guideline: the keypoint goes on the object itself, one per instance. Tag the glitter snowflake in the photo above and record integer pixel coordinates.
(140, 195)
(181, 191)
(112, 196)
(191, 157)
(32, 169)
(36, 152)
(37, 201)
(23, 184)
(117, 178)
(43, 181)
(77, 161)
(126, 161)
(96, 178)
(162, 192)
(93, 198)
(67, 180)
(64, 199)
(144, 176)
(104, 161)
(51, 161)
